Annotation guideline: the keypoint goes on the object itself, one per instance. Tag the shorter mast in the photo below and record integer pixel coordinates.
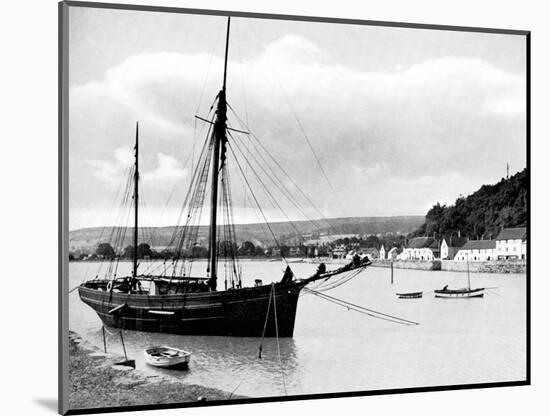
(136, 196)
(468, 270)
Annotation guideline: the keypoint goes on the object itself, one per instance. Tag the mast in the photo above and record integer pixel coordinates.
(468, 270)
(136, 179)
(219, 136)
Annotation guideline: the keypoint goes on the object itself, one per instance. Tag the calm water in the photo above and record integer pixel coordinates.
(458, 341)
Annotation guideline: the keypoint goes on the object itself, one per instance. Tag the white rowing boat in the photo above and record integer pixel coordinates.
(166, 357)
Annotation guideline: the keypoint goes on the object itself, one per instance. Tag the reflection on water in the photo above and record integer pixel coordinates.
(333, 349)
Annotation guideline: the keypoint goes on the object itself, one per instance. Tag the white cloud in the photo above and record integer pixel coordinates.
(112, 171)
(168, 171)
(439, 125)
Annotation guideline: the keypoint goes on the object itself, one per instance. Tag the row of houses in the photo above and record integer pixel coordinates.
(510, 244)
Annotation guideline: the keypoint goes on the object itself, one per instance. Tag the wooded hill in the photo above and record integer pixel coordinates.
(482, 214)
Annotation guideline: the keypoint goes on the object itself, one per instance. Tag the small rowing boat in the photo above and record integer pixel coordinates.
(166, 357)
(410, 295)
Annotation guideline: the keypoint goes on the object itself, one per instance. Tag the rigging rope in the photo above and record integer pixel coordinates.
(264, 148)
(266, 189)
(279, 185)
(285, 95)
(257, 203)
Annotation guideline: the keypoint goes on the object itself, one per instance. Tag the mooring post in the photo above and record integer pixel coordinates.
(123, 347)
(104, 340)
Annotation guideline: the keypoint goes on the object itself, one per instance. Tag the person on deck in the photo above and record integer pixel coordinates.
(321, 269)
(287, 276)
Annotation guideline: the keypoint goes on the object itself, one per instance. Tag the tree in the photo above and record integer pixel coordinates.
(199, 252)
(372, 241)
(483, 213)
(144, 250)
(128, 252)
(105, 250)
(247, 249)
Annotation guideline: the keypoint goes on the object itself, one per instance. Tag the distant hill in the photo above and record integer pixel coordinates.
(482, 214)
(87, 239)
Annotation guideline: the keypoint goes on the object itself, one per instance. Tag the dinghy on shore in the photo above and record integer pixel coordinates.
(166, 357)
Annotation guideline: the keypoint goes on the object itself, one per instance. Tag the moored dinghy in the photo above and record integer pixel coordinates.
(410, 295)
(166, 357)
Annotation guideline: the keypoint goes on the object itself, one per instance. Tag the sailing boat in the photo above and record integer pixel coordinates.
(187, 304)
(463, 293)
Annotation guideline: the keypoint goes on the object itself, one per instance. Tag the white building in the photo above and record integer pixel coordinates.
(477, 250)
(382, 253)
(421, 248)
(512, 244)
(339, 252)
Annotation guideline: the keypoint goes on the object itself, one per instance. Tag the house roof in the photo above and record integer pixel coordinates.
(455, 241)
(423, 242)
(479, 245)
(519, 233)
(453, 251)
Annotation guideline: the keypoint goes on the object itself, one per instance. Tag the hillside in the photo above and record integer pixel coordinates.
(87, 239)
(482, 214)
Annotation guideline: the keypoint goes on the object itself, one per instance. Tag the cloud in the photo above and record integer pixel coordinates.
(168, 171)
(111, 171)
(448, 121)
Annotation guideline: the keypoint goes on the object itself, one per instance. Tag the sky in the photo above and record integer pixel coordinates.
(399, 119)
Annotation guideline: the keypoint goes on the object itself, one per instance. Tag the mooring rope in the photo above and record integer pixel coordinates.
(326, 284)
(361, 309)
(259, 356)
(277, 336)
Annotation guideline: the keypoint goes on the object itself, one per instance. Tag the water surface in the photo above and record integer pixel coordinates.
(458, 341)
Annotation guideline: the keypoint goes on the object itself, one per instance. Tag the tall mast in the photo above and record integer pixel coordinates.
(219, 136)
(136, 179)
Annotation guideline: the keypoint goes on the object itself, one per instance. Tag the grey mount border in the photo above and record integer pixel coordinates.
(63, 209)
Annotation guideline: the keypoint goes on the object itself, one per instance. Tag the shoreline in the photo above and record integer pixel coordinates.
(95, 381)
(490, 267)
(487, 267)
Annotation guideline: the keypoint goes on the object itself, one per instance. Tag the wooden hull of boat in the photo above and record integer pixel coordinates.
(412, 295)
(459, 294)
(240, 312)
